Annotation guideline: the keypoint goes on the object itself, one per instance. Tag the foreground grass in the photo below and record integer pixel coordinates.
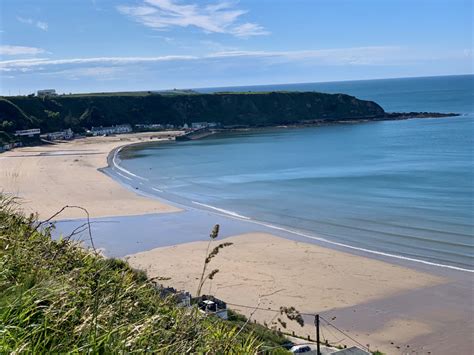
(56, 297)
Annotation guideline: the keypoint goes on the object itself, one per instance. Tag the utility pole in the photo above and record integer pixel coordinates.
(316, 323)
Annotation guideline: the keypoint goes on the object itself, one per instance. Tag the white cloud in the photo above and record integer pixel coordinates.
(40, 24)
(338, 56)
(28, 21)
(95, 72)
(249, 29)
(221, 17)
(357, 56)
(40, 62)
(20, 50)
(341, 56)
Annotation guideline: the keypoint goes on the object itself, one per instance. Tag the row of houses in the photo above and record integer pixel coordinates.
(185, 126)
(117, 129)
(153, 126)
(66, 134)
(31, 133)
(200, 125)
(28, 132)
(105, 131)
(52, 136)
(126, 128)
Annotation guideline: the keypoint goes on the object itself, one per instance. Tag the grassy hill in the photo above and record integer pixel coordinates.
(251, 109)
(56, 297)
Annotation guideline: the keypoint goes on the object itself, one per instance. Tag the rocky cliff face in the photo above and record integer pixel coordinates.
(250, 109)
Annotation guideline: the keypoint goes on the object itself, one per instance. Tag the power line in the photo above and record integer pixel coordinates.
(347, 335)
(305, 314)
(335, 336)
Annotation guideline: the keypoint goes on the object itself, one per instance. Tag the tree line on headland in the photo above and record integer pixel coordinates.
(249, 109)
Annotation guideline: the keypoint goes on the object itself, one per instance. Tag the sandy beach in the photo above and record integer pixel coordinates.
(393, 308)
(46, 178)
(266, 271)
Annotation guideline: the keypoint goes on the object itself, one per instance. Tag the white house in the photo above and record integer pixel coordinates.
(66, 134)
(100, 131)
(151, 126)
(198, 125)
(28, 132)
(46, 92)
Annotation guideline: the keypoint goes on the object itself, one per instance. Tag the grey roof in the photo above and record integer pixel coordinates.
(351, 351)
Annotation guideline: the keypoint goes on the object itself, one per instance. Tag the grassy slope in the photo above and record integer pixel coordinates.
(253, 109)
(57, 297)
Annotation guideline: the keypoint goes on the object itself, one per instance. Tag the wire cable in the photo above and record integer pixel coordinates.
(341, 331)
(305, 314)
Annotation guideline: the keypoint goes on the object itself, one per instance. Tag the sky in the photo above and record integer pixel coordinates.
(132, 45)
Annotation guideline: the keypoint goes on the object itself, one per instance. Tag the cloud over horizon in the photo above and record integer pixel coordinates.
(39, 24)
(20, 50)
(221, 17)
(372, 55)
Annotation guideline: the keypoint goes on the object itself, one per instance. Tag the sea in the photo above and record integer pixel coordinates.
(401, 188)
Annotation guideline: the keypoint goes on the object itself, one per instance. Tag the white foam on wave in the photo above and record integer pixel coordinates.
(117, 166)
(125, 177)
(324, 240)
(157, 190)
(230, 213)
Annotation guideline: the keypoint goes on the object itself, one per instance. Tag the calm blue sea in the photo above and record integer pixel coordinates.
(397, 187)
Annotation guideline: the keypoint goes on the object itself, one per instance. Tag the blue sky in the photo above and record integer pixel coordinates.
(105, 45)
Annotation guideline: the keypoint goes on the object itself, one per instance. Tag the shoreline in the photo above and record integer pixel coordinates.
(184, 204)
(176, 204)
(386, 287)
(48, 177)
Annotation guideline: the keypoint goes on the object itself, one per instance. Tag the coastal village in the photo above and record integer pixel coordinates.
(194, 130)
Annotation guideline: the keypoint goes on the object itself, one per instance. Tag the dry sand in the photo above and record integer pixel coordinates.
(310, 278)
(48, 177)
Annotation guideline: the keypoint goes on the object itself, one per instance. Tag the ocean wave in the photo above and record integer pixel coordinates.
(235, 215)
(230, 213)
(370, 251)
(118, 167)
(327, 241)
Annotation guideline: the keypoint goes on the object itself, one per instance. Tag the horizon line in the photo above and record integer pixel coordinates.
(247, 85)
